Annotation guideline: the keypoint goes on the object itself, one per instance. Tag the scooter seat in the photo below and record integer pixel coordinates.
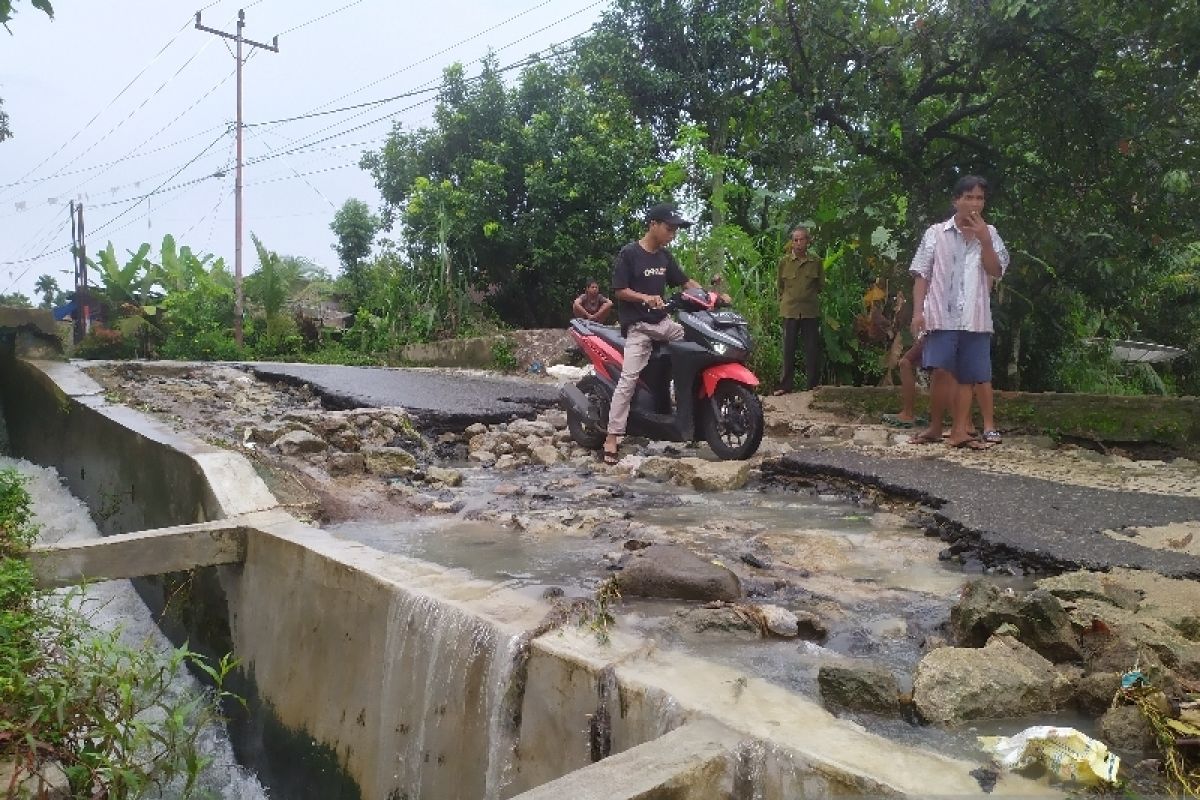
(612, 335)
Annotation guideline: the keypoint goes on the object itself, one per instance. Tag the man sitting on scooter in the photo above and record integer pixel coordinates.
(641, 272)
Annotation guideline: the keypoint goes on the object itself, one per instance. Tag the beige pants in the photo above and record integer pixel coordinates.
(638, 344)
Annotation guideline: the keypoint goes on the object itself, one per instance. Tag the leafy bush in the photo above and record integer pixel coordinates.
(280, 336)
(107, 713)
(104, 342)
(198, 323)
(504, 355)
(338, 353)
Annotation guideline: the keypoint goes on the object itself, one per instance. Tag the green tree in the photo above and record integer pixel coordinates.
(355, 227)
(47, 287)
(15, 299)
(178, 268)
(521, 193)
(687, 62)
(1076, 112)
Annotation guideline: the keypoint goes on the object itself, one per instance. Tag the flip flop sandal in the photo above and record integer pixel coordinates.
(924, 438)
(970, 444)
(992, 437)
(780, 392)
(895, 421)
(611, 457)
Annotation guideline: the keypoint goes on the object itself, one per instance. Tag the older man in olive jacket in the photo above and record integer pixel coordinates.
(801, 279)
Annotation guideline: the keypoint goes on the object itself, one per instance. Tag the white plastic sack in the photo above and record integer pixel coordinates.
(567, 373)
(1065, 752)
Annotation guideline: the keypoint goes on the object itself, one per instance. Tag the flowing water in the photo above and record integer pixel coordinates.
(114, 605)
(875, 581)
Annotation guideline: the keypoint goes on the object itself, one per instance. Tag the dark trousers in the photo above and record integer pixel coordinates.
(810, 328)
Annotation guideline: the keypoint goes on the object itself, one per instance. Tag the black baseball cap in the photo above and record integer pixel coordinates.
(668, 213)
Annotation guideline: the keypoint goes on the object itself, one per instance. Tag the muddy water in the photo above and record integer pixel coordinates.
(875, 581)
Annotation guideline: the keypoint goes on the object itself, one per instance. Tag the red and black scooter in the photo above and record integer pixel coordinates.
(696, 388)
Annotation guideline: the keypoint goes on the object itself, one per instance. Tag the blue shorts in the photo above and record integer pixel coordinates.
(966, 355)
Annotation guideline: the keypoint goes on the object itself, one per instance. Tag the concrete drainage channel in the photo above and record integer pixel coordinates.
(374, 675)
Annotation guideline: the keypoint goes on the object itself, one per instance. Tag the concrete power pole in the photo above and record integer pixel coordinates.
(82, 322)
(239, 299)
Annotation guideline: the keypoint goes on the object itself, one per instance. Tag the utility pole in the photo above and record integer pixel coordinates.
(79, 252)
(239, 299)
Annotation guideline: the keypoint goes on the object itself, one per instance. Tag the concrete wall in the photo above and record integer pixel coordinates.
(473, 353)
(132, 471)
(376, 676)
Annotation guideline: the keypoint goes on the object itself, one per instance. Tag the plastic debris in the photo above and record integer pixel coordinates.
(1065, 752)
(1132, 678)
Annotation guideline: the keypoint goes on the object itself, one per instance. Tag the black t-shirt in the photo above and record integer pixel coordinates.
(644, 273)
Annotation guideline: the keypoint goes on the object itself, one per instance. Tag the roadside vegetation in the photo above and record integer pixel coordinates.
(854, 119)
(79, 704)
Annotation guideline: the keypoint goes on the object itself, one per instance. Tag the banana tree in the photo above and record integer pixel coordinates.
(130, 282)
(178, 268)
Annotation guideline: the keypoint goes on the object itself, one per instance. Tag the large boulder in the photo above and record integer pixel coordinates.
(50, 783)
(1071, 586)
(1039, 616)
(656, 468)
(299, 443)
(1132, 616)
(710, 476)
(446, 476)
(663, 570)
(1115, 639)
(388, 460)
(346, 464)
(1001, 680)
(531, 427)
(861, 687)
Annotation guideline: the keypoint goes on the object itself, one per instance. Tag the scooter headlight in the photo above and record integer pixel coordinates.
(720, 348)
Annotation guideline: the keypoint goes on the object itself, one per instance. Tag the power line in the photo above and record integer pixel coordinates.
(443, 51)
(176, 118)
(306, 181)
(321, 17)
(131, 114)
(135, 203)
(515, 65)
(128, 156)
(109, 105)
(367, 104)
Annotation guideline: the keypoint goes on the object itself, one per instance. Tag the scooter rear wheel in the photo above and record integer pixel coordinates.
(583, 432)
(733, 422)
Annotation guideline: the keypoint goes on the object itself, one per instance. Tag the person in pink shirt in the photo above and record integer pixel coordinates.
(952, 273)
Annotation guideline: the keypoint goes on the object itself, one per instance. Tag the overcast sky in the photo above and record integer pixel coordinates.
(133, 82)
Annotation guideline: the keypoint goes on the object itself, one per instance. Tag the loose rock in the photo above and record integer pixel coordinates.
(1003, 679)
(1038, 615)
(299, 442)
(861, 687)
(1125, 729)
(673, 571)
(388, 460)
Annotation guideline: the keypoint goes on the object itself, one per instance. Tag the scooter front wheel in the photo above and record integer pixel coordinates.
(584, 432)
(733, 422)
